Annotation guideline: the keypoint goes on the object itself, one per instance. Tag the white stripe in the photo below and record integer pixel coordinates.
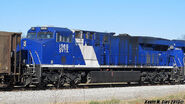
(88, 54)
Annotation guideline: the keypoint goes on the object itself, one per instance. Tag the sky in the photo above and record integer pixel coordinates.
(157, 18)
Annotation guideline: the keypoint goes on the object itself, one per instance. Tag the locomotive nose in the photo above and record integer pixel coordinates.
(32, 51)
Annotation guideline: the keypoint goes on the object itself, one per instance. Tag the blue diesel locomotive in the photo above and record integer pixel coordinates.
(52, 55)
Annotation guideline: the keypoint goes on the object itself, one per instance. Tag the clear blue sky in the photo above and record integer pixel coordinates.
(159, 18)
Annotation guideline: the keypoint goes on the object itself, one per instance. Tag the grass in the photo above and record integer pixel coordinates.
(113, 101)
(179, 96)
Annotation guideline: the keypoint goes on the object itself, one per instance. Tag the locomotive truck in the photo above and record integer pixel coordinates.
(58, 56)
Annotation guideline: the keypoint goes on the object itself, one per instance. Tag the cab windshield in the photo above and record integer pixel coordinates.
(45, 35)
(31, 35)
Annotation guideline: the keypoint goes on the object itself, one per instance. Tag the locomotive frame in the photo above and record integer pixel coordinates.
(52, 55)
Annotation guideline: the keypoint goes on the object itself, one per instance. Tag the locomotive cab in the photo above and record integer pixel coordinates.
(44, 44)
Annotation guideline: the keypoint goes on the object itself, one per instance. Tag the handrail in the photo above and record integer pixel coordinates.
(38, 57)
(39, 62)
(175, 61)
(184, 60)
(179, 61)
(32, 57)
(34, 66)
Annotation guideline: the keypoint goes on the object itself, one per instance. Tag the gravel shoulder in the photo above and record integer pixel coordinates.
(77, 95)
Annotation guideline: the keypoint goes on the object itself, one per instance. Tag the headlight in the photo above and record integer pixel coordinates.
(33, 28)
(43, 28)
(171, 47)
(24, 43)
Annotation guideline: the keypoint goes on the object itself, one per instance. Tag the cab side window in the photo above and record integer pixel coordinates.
(105, 39)
(78, 35)
(67, 38)
(91, 36)
(63, 38)
(87, 35)
(58, 37)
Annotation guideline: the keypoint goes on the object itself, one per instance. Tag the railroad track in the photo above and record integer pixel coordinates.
(80, 86)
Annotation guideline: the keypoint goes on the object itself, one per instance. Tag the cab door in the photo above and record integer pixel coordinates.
(78, 41)
(64, 46)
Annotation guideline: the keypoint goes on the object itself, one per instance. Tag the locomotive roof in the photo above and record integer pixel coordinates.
(153, 40)
(179, 43)
(146, 39)
(142, 37)
(54, 28)
(111, 33)
(150, 38)
(73, 30)
(178, 40)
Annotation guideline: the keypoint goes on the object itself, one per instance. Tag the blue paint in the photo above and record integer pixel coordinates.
(62, 48)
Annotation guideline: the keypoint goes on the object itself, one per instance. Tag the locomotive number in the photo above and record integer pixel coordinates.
(63, 48)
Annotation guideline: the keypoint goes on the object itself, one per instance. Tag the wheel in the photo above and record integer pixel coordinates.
(88, 78)
(41, 86)
(128, 83)
(59, 83)
(182, 82)
(172, 82)
(73, 84)
(9, 87)
(141, 82)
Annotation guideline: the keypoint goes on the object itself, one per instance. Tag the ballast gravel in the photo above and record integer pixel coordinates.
(78, 95)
